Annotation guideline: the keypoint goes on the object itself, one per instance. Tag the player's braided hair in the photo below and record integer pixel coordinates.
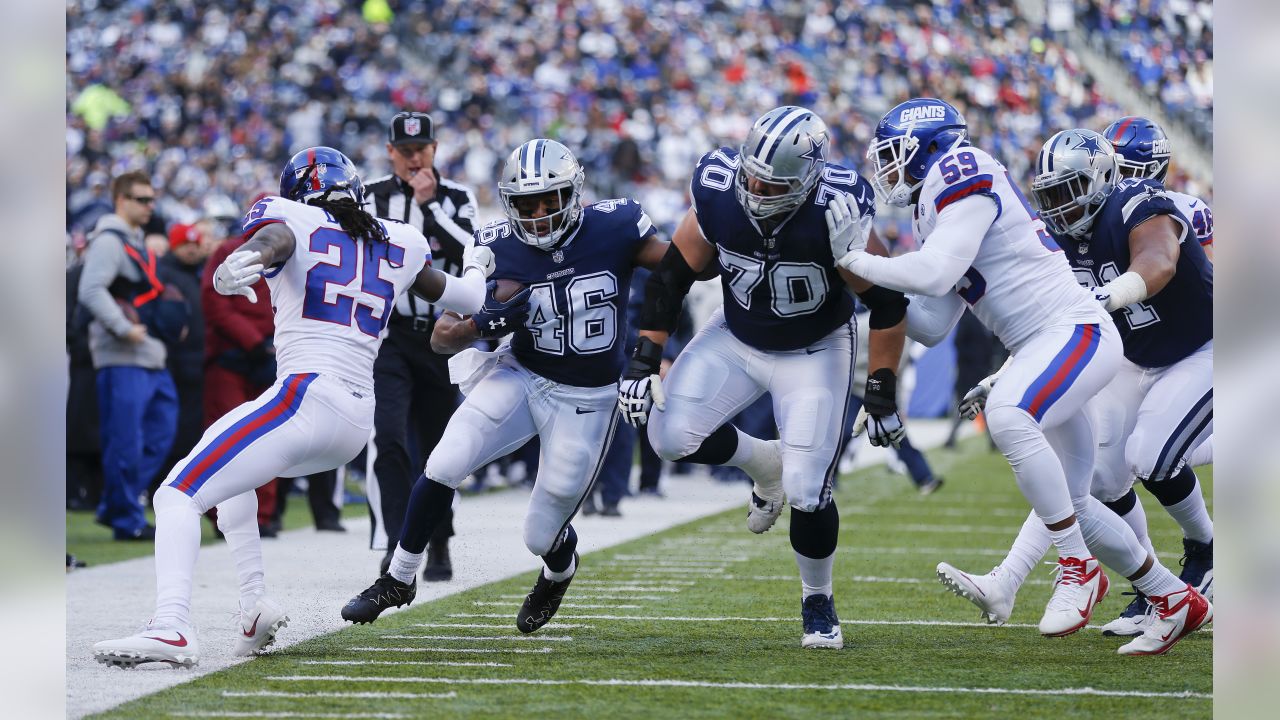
(354, 220)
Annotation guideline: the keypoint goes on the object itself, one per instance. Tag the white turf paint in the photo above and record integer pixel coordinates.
(845, 621)
(500, 626)
(632, 585)
(113, 599)
(484, 638)
(865, 579)
(352, 695)
(576, 596)
(504, 651)
(583, 606)
(613, 682)
(449, 663)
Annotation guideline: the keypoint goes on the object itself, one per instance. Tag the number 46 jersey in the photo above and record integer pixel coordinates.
(781, 292)
(332, 298)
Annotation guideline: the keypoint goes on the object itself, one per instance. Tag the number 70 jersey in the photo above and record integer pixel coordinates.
(1020, 282)
(333, 297)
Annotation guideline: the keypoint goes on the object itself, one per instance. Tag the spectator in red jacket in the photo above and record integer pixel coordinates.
(239, 357)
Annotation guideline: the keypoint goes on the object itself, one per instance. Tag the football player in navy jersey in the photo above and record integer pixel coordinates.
(554, 378)
(768, 214)
(1128, 242)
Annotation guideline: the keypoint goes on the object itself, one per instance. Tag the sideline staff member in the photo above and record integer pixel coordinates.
(411, 383)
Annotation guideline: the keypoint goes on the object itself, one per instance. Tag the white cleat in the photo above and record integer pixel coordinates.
(992, 593)
(1173, 617)
(1080, 586)
(155, 642)
(1133, 619)
(258, 627)
(767, 496)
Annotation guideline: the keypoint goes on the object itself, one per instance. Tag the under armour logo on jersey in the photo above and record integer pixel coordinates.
(495, 324)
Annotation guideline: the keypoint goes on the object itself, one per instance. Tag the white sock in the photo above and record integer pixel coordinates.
(1192, 516)
(238, 521)
(1202, 454)
(1028, 548)
(1070, 542)
(815, 575)
(1109, 538)
(1158, 581)
(560, 576)
(404, 564)
(1136, 518)
(177, 546)
(753, 456)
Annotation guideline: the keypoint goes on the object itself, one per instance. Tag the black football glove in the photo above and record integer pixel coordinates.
(880, 405)
(495, 318)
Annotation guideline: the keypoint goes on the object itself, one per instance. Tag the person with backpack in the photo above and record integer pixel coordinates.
(133, 314)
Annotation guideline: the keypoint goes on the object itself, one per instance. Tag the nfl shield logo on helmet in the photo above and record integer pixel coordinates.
(412, 126)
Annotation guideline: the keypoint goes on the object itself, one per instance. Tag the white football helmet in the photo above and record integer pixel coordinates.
(537, 167)
(1076, 171)
(786, 146)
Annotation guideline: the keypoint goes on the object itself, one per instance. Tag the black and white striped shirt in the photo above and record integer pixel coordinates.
(447, 222)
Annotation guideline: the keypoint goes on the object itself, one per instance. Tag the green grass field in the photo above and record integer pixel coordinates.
(634, 646)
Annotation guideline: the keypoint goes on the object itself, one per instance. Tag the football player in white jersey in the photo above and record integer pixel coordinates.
(334, 272)
(983, 246)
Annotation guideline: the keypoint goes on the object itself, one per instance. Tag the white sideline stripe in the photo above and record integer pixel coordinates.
(343, 715)
(450, 663)
(233, 714)
(483, 638)
(595, 597)
(356, 695)
(674, 618)
(486, 603)
(752, 686)
(518, 651)
(499, 626)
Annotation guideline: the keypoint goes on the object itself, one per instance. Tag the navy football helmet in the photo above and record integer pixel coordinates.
(908, 140)
(1142, 148)
(320, 173)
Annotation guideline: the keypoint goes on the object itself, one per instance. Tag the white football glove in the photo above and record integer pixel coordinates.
(975, 401)
(845, 229)
(885, 431)
(479, 257)
(237, 273)
(637, 397)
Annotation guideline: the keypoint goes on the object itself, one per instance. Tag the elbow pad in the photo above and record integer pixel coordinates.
(887, 307)
(664, 292)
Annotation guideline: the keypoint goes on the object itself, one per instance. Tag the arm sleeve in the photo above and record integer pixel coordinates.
(934, 269)
(463, 295)
(930, 319)
(101, 265)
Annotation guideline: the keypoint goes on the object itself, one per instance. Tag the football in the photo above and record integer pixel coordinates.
(505, 289)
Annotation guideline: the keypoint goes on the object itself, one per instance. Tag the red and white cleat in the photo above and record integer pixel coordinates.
(258, 627)
(155, 642)
(1173, 617)
(1080, 586)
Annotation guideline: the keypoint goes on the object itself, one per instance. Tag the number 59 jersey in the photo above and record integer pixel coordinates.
(1020, 282)
(781, 292)
(576, 327)
(332, 298)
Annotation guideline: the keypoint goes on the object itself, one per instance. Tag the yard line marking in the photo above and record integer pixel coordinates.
(450, 663)
(630, 584)
(934, 512)
(868, 579)
(486, 603)
(483, 638)
(595, 597)
(342, 715)
(649, 570)
(862, 687)
(354, 695)
(681, 618)
(516, 651)
(923, 528)
(500, 626)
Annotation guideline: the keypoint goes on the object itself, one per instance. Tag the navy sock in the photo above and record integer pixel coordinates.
(1175, 489)
(562, 554)
(430, 504)
(717, 449)
(1125, 504)
(814, 534)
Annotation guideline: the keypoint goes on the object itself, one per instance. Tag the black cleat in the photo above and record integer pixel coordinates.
(385, 592)
(439, 568)
(543, 601)
(1197, 566)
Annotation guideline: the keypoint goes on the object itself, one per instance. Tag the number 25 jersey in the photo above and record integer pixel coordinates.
(332, 298)
(781, 292)
(1020, 281)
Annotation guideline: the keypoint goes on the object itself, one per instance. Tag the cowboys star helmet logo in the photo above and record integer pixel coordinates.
(412, 126)
(1090, 143)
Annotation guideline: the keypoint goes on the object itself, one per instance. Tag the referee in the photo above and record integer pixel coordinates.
(411, 383)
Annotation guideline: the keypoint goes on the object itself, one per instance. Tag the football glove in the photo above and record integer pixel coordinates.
(237, 273)
(845, 229)
(495, 319)
(640, 388)
(879, 413)
(480, 258)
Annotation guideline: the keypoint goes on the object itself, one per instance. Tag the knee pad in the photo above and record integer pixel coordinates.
(669, 440)
(168, 498)
(539, 540)
(814, 534)
(1015, 432)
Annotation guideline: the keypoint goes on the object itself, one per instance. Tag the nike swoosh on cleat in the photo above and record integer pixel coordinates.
(252, 628)
(180, 642)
